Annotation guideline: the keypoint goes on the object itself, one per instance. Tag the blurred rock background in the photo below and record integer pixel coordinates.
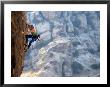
(70, 44)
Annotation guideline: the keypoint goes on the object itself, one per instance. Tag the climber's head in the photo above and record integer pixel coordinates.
(31, 27)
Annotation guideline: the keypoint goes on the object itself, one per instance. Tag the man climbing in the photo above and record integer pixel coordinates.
(32, 33)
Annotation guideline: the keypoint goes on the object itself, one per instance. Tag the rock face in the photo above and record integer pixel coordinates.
(18, 25)
(70, 46)
(52, 60)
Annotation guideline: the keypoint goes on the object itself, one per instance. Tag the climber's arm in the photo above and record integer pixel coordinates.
(26, 32)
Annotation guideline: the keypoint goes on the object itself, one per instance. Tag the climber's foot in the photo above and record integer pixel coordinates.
(25, 45)
(25, 49)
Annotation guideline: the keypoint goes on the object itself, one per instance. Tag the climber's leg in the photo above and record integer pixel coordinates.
(26, 44)
(38, 37)
(31, 42)
(27, 36)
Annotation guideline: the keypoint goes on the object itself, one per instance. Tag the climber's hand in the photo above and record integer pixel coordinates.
(40, 39)
(22, 32)
(28, 29)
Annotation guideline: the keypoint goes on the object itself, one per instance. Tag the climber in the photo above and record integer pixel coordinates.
(32, 33)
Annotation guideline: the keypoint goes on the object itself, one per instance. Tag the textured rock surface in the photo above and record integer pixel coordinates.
(70, 46)
(18, 24)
